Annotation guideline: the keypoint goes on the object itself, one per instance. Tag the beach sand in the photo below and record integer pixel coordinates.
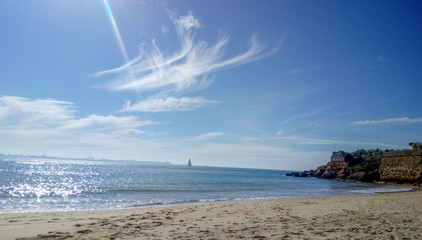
(377, 216)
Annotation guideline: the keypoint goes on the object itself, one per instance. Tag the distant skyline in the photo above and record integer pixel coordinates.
(273, 84)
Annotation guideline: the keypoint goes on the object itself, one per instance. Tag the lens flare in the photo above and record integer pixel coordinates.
(116, 31)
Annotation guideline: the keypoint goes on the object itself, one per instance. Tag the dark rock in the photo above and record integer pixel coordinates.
(298, 174)
(371, 176)
(357, 176)
(320, 170)
(329, 174)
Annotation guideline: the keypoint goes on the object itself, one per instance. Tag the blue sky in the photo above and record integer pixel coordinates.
(261, 84)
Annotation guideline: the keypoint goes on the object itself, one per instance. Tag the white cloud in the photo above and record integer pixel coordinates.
(184, 71)
(389, 121)
(167, 104)
(187, 22)
(22, 113)
(96, 123)
(40, 112)
(50, 124)
(207, 136)
(279, 133)
(117, 137)
(164, 29)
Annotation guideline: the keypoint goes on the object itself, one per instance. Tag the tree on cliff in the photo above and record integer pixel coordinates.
(352, 161)
(366, 160)
(416, 145)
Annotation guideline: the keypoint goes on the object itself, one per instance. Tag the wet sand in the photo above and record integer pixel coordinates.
(378, 216)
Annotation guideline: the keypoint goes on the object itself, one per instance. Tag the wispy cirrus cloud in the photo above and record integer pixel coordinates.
(320, 141)
(188, 69)
(207, 136)
(389, 121)
(167, 104)
(110, 123)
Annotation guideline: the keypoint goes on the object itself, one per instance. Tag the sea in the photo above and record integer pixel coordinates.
(44, 185)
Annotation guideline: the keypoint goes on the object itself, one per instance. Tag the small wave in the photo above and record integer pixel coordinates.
(159, 190)
(162, 203)
(380, 190)
(199, 201)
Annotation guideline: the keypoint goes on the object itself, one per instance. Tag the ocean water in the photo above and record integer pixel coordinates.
(36, 185)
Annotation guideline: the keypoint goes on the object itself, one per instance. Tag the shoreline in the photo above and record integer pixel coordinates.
(392, 215)
(234, 200)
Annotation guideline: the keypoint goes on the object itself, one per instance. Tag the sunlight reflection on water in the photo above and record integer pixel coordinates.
(47, 185)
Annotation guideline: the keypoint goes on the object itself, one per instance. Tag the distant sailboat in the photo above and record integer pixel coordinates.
(189, 163)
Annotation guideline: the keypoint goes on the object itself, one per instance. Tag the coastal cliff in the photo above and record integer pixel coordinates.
(373, 165)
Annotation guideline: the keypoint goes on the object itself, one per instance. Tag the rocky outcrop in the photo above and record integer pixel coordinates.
(337, 168)
(332, 169)
(401, 166)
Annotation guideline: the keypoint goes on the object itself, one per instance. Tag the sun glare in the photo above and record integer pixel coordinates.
(116, 31)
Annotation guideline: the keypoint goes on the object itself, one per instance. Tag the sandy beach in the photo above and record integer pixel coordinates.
(378, 216)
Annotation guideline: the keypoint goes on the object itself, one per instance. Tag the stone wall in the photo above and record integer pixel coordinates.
(401, 166)
(337, 157)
